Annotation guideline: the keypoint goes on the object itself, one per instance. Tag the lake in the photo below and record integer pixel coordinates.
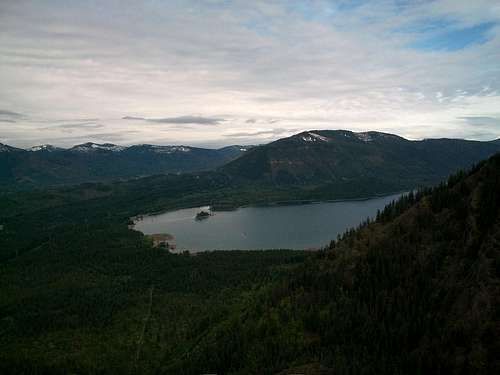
(304, 226)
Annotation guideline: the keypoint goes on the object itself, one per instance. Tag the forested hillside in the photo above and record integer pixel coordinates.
(325, 164)
(343, 160)
(415, 292)
(49, 166)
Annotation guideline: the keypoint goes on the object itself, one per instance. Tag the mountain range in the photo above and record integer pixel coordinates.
(49, 165)
(364, 163)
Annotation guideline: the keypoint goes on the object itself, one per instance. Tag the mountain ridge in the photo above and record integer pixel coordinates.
(337, 156)
(333, 159)
(47, 165)
(112, 147)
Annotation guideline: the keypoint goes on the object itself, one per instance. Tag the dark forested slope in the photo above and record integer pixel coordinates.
(343, 158)
(346, 163)
(47, 165)
(416, 292)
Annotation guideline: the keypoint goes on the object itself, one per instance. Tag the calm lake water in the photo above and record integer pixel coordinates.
(272, 227)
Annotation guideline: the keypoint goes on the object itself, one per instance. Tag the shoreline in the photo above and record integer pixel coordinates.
(298, 202)
(295, 202)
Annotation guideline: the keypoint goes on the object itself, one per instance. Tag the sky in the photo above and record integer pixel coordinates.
(218, 72)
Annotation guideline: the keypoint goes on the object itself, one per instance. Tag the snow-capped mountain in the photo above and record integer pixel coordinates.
(49, 165)
(90, 147)
(161, 149)
(46, 147)
(362, 136)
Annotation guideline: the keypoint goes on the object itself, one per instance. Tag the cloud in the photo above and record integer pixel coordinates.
(482, 127)
(268, 132)
(81, 125)
(77, 120)
(119, 136)
(188, 120)
(74, 126)
(179, 120)
(415, 68)
(10, 116)
(481, 120)
(4, 112)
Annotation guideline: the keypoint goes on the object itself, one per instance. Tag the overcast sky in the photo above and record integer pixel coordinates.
(214, 73)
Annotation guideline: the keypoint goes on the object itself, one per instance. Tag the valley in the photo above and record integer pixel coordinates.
(258, 187)
(70, 258)
(83, 277)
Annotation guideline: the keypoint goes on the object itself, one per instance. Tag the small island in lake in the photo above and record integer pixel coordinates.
(202, 215)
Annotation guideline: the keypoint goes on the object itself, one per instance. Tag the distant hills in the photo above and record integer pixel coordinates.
(49, 165)
(337, 161)
(340, 157)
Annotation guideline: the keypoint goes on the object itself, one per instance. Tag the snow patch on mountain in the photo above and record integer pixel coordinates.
(170, 149)
(314, 137)
(319, 137)
(48, 148)
(365, 137)
(166, 149)
(373, 136)
(89, 147)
